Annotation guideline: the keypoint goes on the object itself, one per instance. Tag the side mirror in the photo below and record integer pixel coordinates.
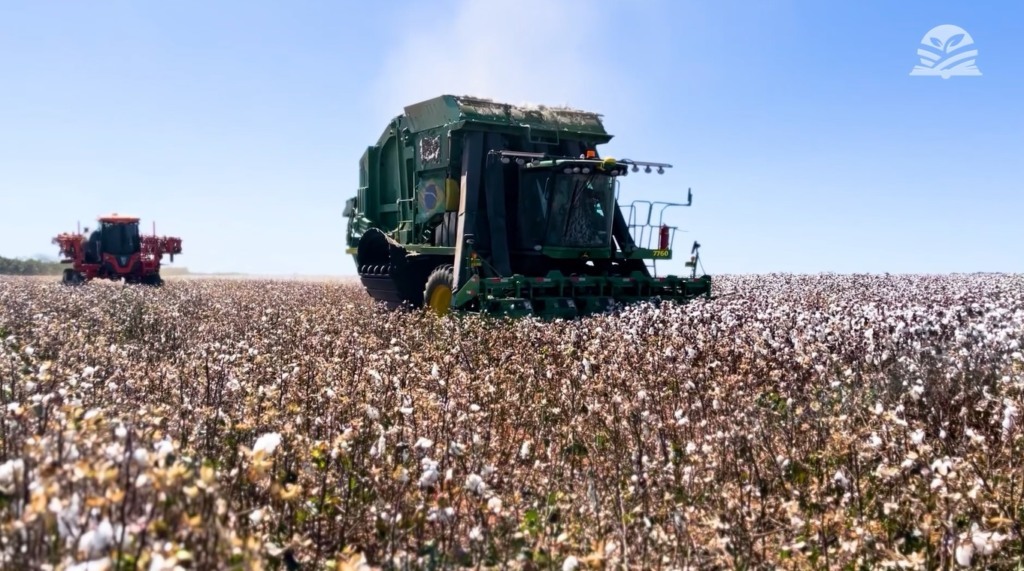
(350, 208)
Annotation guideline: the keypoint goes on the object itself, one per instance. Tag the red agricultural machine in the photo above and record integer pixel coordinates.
(115, 250)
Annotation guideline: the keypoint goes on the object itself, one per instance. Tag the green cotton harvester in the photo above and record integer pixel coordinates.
(466, 204)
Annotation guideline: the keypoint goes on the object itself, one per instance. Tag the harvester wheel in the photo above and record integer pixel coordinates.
(71, 277)
(437, 295)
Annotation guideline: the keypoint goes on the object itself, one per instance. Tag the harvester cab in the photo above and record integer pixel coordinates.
(115, 250)
(468, 204)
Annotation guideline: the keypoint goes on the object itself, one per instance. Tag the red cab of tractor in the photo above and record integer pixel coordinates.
(115, 250)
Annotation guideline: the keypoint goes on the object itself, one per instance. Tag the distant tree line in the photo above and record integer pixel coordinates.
(29, 267)
(36, 267)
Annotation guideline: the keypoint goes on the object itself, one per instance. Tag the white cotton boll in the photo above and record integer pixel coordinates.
(101, 564)
(570, 563)
(256, 516)
(430, 473)
(267, 443)
(434, 371)
(942, 466)
(442, 515)
(372, 413)
(917, 436)
(114, 451)
(164, 448)
(841, 480)
(985, 542)
(1010, 413)
(68, 517)
(964, 554)
(429, 478)
(494, 504)
(377, 450)
(524, 450)
(475, 483)
(423, 444)
(474, 408)
(11, 473)
(95, 542)
(159, 563)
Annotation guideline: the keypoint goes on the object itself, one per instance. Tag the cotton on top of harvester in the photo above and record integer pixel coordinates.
(467, 204)
(115, 250)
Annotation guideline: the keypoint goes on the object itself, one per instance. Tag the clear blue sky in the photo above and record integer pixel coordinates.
(238, 125)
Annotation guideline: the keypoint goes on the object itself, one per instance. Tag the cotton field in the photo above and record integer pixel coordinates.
(825, 421)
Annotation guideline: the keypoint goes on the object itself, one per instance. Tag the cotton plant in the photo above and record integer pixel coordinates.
(799, 422)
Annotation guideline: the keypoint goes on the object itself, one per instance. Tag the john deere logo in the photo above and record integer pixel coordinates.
(945, 51)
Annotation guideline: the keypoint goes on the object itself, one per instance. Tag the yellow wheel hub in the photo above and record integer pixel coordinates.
(440, 299)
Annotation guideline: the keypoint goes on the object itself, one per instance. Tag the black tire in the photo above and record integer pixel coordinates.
(72, 278)
(441, 282)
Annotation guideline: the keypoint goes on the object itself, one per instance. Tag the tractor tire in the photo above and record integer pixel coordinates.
(437, 294)
(71, 278)
(153, 280)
